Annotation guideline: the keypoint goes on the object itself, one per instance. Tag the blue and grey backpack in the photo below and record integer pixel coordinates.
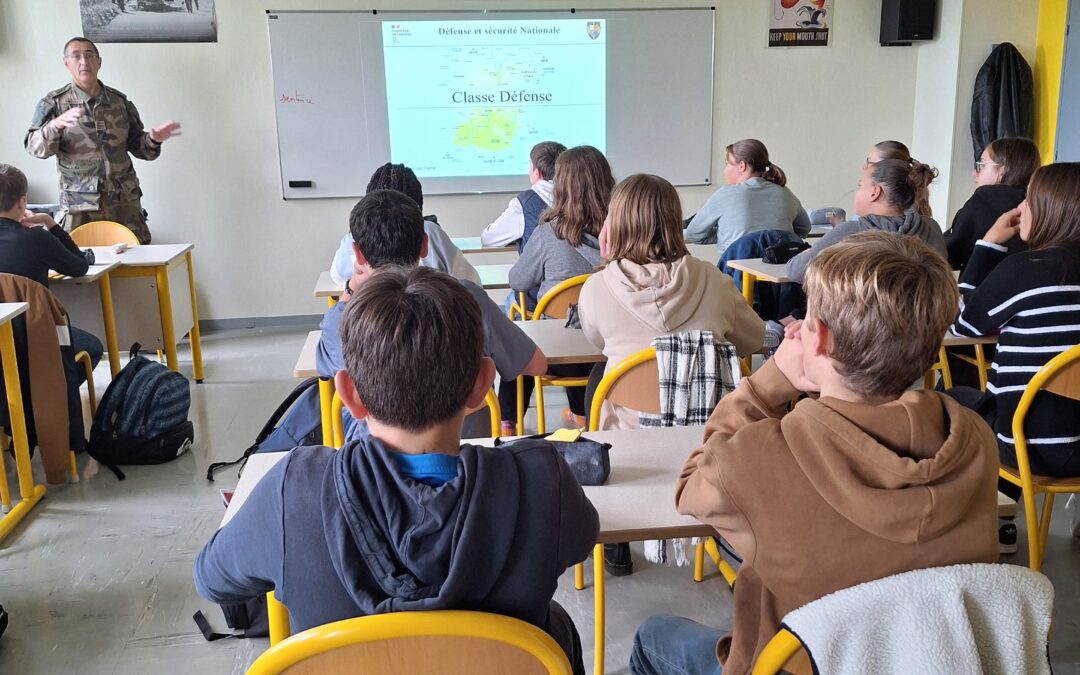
(142, 418)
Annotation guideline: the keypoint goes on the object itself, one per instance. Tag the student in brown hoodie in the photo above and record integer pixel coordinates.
(859, 482)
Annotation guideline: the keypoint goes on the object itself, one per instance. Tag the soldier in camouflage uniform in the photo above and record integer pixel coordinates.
(92, 129)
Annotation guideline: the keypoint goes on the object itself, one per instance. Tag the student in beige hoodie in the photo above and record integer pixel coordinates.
(860, 481)
(651, 285)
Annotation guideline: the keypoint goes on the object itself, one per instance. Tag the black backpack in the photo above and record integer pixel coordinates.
(142, 418)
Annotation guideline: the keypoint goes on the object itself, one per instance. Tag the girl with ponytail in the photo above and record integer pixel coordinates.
(754, 198)
(885, 199)
(922, 174)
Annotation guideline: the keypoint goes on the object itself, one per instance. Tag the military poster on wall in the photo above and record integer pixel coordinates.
(800, 23)
(149, 20)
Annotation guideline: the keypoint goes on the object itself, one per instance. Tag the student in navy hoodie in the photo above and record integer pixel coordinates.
(407, 518)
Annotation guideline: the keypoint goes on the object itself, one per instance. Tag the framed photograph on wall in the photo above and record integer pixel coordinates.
(800, 23)
(149, 20)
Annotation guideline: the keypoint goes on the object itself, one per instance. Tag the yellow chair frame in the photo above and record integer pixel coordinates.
(410, 627)
(337, 432)
(1060, 375)
(83, 357)
(491, 402)
(554, 304)
(634, 371)
(518, 308)
(942, 365)
(639, 374)
(777, 652)
(103, 233)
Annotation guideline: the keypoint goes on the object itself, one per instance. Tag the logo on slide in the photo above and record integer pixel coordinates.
(593, 29)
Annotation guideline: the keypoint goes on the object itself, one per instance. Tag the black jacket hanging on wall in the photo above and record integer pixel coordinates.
(1003, 101)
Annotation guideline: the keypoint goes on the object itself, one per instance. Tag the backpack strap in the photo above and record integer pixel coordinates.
(208, 632)
(267, 429)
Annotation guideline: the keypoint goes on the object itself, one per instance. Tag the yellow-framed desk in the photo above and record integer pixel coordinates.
(561, 345)
(147, 311)
(474, 245)
(305, 368)
(326, 287)
(706, 252)
(29, 493)
(635, 504)
(755, 269)
(74, 293)
(492, 277)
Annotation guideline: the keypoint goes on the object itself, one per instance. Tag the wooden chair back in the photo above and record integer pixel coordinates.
(103, 233)
(1064, 380)
(417, 642)
(555, 304)
(634, 383)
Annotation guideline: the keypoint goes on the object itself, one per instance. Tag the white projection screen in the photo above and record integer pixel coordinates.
(461, 97)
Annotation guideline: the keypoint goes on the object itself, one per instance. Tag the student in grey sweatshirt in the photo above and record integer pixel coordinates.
(565, 245)
(884, 199)
(755, 198)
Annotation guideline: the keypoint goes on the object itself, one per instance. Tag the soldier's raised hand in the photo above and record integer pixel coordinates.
(69, 118)
(162, 133)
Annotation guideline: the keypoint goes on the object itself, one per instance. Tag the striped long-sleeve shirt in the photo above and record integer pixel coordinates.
(1032, 299)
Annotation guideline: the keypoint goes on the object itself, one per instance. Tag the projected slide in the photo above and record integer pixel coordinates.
(471, 98)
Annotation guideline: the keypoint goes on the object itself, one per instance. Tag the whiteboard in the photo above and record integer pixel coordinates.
(331, 99)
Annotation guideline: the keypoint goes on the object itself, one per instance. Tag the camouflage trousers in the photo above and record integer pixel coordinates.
(129, 214)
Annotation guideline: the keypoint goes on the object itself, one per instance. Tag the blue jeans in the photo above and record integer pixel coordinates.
(81, 341)
(673, 645)
(75, 376)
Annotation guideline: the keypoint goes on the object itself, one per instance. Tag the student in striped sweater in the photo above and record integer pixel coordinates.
(1032, 299)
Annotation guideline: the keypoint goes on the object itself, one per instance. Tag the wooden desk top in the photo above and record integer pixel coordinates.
(305, 363)
(326, 287)
(494, 276)
(473, 245)
(762, 271)
(92, 275)
(953, 340)
(638, 501)
(151, 255)
(10, 310)
(559, 343)
(706, 252)
(491, 277)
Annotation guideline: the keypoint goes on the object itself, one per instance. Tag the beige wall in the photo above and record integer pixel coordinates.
(818, 110)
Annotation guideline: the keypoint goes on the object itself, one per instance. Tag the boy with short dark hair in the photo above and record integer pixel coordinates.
(407, 518)
(387, 228)
(862, 481)
(517, 222)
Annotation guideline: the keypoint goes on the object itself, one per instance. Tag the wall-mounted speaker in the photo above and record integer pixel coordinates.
(905, 21)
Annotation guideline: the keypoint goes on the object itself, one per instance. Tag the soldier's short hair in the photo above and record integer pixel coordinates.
(80, 39)
(12, 186)
(388, 228)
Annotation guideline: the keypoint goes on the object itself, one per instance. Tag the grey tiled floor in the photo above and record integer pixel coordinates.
(98, 579)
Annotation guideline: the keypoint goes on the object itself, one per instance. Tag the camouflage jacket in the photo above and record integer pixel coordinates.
(92, 157)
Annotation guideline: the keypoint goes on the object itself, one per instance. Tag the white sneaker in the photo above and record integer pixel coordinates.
(1074, 505)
